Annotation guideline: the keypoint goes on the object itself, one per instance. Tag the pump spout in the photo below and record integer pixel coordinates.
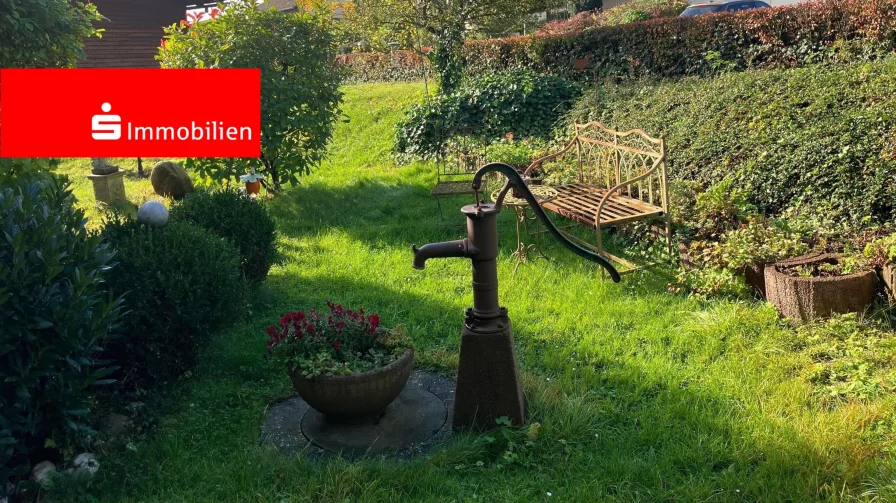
(459, 248)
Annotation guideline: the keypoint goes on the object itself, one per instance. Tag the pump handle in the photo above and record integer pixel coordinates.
(514, 179)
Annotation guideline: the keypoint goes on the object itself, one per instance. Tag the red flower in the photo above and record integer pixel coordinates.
(374, 320)
(215, 12)
(272, 330)
(336, 345)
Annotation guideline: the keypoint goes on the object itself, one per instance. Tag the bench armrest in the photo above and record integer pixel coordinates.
(548, 157)
(619, 186)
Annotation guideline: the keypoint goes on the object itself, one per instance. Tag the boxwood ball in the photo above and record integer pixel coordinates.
(153, 213)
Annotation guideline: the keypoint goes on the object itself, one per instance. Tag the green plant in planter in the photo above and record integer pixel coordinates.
(881, 251)
(341, 342)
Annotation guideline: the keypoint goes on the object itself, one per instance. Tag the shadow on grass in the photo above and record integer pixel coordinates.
(402, 214)
(609, 430)
(636, 435)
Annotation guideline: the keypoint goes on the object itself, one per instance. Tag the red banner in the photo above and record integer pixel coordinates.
(130, 113)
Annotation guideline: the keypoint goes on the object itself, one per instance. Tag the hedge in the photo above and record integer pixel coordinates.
(382, 67)
(520, 102)
(780, 37)
(814, 143)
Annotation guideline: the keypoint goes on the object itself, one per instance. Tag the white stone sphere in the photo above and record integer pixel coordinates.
(153, 213)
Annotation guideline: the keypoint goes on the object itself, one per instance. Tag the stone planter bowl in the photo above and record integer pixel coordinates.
(352, 398)
(807, 298)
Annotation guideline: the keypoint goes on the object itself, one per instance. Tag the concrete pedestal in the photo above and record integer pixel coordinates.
(109, 188)
(488, 379)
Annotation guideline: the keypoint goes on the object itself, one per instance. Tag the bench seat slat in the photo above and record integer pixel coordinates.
(579, 202)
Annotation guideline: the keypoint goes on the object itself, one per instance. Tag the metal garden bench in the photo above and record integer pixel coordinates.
(619, 178)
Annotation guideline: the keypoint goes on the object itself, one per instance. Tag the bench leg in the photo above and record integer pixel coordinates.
(669, 234)
(439, 204)
(599, 241)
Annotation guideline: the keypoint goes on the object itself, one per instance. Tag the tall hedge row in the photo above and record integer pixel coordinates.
(780, 37)
(815, 143)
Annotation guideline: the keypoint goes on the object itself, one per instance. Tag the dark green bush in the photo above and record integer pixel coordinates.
(780, 37)
(518, 101)
(44, 33)
(180, 281)
(813, 144)
(54, 314)
(244, 222)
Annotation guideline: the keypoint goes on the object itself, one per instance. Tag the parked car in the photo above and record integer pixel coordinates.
(730, 6)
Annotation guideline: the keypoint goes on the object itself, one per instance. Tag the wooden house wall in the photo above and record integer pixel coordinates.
(133, 32)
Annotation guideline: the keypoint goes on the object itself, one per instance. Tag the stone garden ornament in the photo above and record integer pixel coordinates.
(152, 213)
(108, 181)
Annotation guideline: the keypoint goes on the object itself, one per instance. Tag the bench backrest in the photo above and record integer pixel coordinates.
(607, 158)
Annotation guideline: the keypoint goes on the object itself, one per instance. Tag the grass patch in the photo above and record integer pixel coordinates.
(640, 395)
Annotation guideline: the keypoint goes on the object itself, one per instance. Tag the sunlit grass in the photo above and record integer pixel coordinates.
(641, 395)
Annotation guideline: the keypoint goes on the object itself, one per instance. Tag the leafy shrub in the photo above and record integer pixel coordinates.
(299, 83)
(243, 221)
(812, 144)
(759, 241)
(881, 251)
(708, 214)
(642, 10)
(519, 101)
(781, 37)
(179, 281)
(396, 66)
(517, 153)
(54, 314)
(341, 342)
(628, 12)
(44, 33)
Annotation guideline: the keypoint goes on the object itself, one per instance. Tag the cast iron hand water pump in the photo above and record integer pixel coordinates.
(488, 376)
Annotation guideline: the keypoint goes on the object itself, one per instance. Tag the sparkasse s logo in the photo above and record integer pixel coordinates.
(130, 113)
(106, 127)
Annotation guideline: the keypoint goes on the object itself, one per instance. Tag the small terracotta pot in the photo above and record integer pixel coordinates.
(806, 298)
(253, 187)
(350, 398)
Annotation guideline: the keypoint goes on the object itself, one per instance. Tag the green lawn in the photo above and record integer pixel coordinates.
(641, 395)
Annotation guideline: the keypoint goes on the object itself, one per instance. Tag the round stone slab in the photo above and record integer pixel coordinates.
(413, 418)
(417, 420)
